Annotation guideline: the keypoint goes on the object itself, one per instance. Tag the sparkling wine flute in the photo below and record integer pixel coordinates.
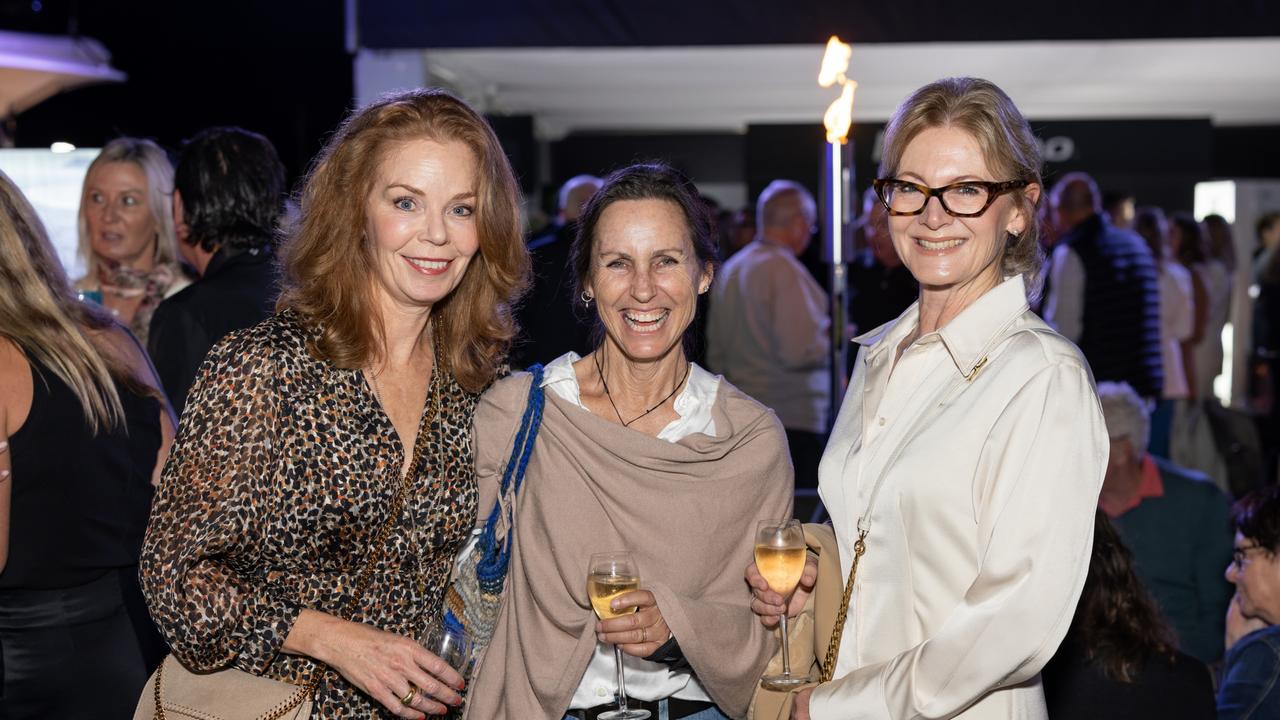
(780, 557)
(610, 575)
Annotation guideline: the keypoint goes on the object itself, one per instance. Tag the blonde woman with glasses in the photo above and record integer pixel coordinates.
(965, 465)
(84, 430)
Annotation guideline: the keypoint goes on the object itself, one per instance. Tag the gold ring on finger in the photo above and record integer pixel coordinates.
(644, 634)
(410, 696)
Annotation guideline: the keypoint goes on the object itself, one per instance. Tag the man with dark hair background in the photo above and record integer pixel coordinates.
(228, 189)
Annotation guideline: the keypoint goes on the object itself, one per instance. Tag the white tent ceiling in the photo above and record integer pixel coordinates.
(1231, 81)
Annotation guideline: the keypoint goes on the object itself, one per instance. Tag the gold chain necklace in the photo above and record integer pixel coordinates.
(607, 394)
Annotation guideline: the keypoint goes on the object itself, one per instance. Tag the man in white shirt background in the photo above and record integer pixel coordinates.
(769, 325)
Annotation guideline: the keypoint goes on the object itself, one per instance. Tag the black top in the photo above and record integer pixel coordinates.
(550, 323)
(1075, 687)
(1266, 320)
(878, 294)
(80, 502)
(237, 291)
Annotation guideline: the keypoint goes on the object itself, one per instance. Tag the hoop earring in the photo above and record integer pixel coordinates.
(586, 298)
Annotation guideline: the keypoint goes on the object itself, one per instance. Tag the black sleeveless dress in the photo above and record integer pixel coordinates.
(79, 509)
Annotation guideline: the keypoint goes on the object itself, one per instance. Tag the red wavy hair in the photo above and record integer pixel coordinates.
(328, 270)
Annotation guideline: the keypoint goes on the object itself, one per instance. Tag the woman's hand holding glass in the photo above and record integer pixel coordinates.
(639, 632)
(393, 669)
(610, 577)
(768, 605)
(781, 557)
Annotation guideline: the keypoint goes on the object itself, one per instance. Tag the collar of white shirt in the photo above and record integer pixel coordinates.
(969, 336)
(693, 405)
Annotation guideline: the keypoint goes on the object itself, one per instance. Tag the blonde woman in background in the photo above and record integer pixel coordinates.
(84, 431)
(127, 239)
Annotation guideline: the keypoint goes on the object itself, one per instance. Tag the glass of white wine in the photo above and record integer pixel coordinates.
(609, 575)
(780, 557)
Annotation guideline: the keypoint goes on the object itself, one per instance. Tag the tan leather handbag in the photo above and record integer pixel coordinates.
(819, 625)
(175, 693)
(222, 695)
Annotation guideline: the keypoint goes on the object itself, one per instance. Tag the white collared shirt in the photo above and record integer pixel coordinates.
(693, 404)
(645, 680)
(768, 331)
(981, 531)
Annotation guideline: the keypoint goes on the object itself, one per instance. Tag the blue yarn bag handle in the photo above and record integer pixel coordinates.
(475, 608)
(491, 570)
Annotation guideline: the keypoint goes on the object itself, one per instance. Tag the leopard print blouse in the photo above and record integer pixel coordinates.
(283, 471)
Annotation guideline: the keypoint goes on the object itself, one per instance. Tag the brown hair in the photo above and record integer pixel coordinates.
(1008, 147)
(1191, 248)
(327, 264)
(1221, 243)
(1150, 223)
(1257, 516)
(1116, 621)
(644, 181)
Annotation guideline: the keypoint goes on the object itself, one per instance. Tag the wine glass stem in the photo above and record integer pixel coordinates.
(786, 649)
(622, 683)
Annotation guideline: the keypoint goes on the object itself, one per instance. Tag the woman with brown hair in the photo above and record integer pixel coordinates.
(1177, 315)
(84, 431)
(640, 450)
(1120, 658)
(1187, 247)
(304, 435)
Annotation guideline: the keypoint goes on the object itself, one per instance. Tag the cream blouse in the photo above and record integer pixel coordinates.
(988, 444)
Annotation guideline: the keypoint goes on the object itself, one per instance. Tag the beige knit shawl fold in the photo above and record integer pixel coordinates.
(687, 510)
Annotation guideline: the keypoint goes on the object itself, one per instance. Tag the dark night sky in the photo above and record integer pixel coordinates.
(277, 68)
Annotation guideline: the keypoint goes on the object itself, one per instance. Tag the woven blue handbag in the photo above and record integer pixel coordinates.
(474, 596)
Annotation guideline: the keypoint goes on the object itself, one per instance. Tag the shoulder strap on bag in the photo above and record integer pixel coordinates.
(491, 569)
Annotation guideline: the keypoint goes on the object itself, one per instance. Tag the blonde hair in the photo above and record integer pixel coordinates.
(328, 267)
(41, 315)
(155, 165)
(1009, 148)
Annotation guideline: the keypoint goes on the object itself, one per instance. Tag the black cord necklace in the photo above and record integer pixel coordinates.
(607, 394)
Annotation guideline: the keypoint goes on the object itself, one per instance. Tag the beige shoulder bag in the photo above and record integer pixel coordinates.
(176, 693)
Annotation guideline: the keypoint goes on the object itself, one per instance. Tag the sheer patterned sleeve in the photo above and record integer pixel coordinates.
(201, 563)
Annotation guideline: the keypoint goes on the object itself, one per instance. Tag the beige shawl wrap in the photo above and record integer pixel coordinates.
(687, 510)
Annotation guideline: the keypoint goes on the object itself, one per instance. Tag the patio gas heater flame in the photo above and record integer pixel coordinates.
(839, 179)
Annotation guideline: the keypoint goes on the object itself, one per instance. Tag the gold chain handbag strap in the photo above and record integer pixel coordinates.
(378, 549)
(864, 527)
(837, 632)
